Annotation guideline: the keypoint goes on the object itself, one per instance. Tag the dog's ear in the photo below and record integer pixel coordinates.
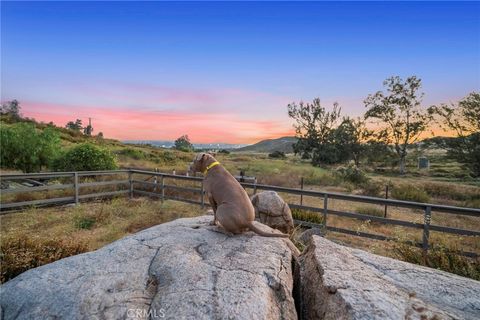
(199, 157)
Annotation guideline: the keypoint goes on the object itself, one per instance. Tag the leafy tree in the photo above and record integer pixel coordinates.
(350, 138)
(327, 153)
(183, 143)
(399, 113)
(27, 149)
(353, 174)
(12, 109)
(377, 151)
(75, 126)
(464, 119)
(313, 126)
(85, 157)
(49, 146)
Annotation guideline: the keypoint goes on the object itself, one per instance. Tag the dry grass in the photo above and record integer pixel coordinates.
(21, 252)
(410, 192)
(439, 256)
(370, 210)
(38, 236)
(96, 224)
(465, 243)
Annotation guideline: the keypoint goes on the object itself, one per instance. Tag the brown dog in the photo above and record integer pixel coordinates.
(232, 208)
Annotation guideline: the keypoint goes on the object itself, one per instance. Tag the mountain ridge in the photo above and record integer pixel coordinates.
(283, 144)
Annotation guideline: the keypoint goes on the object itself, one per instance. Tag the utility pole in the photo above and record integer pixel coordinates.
(89, 129)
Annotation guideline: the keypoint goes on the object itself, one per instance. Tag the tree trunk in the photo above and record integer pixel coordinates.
(356, 159)
(402, 165)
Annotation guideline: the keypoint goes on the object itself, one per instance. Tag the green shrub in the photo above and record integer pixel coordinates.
(370, 211)
(169, 156)
(439, 257)
(85, 157)
(373, 189)
(323, 179)
(451, 191)
(472, 203)
(83, 222)
(352, 174)
(410, 192)
(26, 148)
(132, 153)
(308, 216)
(20, 253)
(277, 155)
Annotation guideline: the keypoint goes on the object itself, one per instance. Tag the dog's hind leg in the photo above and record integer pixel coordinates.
(221, 229)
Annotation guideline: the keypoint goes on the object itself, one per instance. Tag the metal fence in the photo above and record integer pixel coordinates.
(133, 182)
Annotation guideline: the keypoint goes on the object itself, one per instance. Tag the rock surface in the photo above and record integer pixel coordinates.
(184, 269)
(305, 236)
(338, 282)
(272, 210)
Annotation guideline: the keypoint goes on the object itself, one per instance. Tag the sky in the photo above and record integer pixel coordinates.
(226, 71)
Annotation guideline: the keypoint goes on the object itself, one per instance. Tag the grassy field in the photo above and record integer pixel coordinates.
(71, 230)
(38, 236)
(452, 188)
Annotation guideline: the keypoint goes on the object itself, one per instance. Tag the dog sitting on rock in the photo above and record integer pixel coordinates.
(232, 209)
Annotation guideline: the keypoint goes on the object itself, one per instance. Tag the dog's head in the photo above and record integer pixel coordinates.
(199, 163)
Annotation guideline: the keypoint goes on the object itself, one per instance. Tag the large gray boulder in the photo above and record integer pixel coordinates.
(338, 282)
(184, 269)
(272, 210)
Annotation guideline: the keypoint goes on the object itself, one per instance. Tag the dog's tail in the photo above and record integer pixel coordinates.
(252, 227)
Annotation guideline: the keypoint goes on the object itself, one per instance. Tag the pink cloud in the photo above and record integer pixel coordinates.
(145, 94)
(155, 97)
(142, 124)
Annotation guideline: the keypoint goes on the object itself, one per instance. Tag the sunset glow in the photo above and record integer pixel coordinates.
(225, 72)
(168, 125)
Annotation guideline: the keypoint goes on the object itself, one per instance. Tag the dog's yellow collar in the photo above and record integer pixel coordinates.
(210, 166)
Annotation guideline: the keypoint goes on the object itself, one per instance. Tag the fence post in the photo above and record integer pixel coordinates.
(255, 185)
(130, 184)
(162, 186)
(75, 183)
(203, 196)
(426, 229)
(155, 180)
(301, 195)
(325, 209)
(386, 197)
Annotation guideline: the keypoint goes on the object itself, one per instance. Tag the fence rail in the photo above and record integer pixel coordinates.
(136, 186)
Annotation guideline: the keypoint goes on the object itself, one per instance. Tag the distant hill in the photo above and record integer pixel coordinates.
(284, 144)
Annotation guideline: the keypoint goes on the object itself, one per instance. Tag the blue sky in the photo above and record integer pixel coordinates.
(225, 71)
